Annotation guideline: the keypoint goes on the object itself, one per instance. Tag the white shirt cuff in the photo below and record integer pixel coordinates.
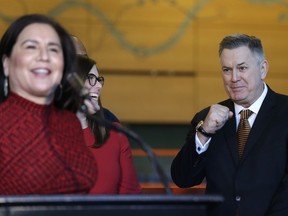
(200, 148)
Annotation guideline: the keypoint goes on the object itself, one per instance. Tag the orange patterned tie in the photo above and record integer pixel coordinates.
(243, 130)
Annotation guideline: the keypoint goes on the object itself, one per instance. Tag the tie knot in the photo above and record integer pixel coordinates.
(245, 114)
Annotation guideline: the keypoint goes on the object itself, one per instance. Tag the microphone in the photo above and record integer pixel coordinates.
(78, 85)
(144, 146)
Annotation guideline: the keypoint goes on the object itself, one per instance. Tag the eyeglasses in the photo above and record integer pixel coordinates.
(93, 79)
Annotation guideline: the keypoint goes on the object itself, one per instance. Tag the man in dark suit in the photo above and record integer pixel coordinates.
(256, 182)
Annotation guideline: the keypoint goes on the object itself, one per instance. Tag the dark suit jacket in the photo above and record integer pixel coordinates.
(257, 185)
(108, 115)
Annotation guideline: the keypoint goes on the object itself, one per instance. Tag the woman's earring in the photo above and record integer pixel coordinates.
(6, 87)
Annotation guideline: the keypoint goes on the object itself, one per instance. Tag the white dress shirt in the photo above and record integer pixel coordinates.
(255, 107)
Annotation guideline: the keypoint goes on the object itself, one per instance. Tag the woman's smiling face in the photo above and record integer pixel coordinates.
(35, 66)
(94, 91)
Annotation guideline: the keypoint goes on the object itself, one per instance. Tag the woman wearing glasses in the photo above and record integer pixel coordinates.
(116, 171)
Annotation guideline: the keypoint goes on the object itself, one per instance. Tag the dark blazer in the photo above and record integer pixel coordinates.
(258, 184)
(108, 115)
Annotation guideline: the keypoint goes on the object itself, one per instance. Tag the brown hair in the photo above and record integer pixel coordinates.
(101, 133)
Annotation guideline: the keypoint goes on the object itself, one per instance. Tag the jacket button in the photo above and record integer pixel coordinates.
(238, 198)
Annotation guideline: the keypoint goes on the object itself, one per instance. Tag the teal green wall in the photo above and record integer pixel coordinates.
(157, 136)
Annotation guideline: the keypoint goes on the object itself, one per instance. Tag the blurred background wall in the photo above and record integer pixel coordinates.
(160, 57)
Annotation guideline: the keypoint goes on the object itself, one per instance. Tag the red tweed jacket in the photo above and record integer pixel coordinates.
(42, 150)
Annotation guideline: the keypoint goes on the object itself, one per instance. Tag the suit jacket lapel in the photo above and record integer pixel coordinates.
(262, 120)
(231, 139)
(230, 135)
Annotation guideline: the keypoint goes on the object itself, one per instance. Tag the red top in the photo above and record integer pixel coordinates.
(116, 171)
(42, 150)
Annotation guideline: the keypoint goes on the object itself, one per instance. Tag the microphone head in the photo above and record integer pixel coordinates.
(75, 81)
(78, 85)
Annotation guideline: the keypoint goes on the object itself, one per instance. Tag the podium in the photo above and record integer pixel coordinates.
(108, 205)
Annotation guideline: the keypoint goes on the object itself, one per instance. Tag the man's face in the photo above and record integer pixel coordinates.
(243, 75)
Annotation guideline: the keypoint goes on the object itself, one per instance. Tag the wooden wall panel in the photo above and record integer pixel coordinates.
(150, 98)
(175, 37)
(210, 91)
(273, 42)
(180, 58)
(278, 84)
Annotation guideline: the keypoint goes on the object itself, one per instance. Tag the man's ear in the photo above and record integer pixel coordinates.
(5, 62)
(264, 67)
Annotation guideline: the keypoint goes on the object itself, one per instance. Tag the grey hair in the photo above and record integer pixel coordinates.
(238, 40)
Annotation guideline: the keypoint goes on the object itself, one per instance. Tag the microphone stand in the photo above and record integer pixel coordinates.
(145, 147)
(77, 84)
